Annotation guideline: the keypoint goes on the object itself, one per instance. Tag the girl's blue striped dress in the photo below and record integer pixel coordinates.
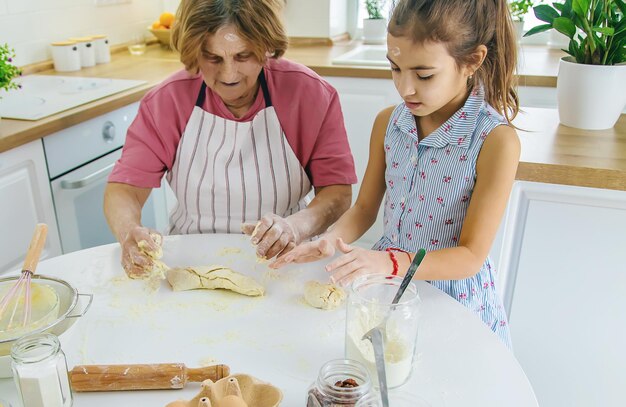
(429, 187)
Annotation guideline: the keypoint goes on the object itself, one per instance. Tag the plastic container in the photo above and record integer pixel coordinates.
(341, 383)
(40, 371)
(102, 49)
(66, 56)
(87, 51)
(369, 302)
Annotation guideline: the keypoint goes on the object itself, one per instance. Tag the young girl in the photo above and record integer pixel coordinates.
(445, 159)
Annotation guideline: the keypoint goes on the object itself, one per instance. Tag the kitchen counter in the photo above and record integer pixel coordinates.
(538, 66)
(551, 152)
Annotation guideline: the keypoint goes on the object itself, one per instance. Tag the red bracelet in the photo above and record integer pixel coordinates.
(394, 261)
(395, 249)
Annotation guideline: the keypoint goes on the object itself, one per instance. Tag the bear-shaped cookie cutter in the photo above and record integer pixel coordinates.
(238, 390)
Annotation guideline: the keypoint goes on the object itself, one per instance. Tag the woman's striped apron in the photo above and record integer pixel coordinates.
(228, 172)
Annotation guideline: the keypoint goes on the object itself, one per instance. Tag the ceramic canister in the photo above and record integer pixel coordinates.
(66, 56)
(87, 51)
(103, 52)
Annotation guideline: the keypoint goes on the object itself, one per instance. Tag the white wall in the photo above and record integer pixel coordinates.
(338, 17)
(307, 18)
(171, 5)
(30, 26)
(316, 19)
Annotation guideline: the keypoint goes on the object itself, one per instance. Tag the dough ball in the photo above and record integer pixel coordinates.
(324, 296)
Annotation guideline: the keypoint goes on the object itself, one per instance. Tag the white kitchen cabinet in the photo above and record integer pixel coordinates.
(361, 100)
(25, 200)
(563, 271)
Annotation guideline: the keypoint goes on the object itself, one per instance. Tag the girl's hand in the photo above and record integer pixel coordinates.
(305, 253)
(135, 262)
(357, 262)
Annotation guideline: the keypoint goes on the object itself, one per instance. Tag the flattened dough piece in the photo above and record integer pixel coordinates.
(324, 296)
(212, 277)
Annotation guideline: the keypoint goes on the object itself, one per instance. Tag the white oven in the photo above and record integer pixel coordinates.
(80, 158)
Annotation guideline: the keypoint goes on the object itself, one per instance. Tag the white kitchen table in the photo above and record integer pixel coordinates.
(276, 338)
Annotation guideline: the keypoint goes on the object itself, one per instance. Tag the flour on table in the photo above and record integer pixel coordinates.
(272, 275)
(207, 362)
(228, 251)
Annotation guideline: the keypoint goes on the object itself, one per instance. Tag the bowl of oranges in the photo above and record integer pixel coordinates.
(162, 28)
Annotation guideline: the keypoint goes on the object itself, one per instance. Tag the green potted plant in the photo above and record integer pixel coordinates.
(591, 84)
(519, 9)
(375, 26)
(8, 71)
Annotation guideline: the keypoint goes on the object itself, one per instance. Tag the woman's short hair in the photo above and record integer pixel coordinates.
(257, 21)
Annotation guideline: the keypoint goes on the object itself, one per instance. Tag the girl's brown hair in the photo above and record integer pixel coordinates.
(463, 25)
(257, 21)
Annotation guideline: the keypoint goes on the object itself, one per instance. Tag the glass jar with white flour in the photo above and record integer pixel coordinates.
(40, 371)
(369, 305)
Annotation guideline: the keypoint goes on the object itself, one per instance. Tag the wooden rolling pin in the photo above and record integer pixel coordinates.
(141, 377)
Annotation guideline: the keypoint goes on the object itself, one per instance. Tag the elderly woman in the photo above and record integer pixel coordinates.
(243, 135)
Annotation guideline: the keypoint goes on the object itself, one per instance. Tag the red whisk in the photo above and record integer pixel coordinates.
(19, 293)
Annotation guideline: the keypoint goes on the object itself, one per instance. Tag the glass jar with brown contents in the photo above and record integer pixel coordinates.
(340, 383)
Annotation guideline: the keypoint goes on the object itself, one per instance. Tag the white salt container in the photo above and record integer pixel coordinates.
(87, 51)
(66, 56)
(40, 371)
(103, 52)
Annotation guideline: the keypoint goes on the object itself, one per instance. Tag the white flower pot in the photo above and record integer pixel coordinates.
(590, 97)
(374, 31)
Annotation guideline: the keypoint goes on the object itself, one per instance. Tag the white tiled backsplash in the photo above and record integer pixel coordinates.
(30, 26)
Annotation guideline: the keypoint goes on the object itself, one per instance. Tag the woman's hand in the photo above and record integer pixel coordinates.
(135, 262)
(272, 235)
(306, 253)
(357, 262)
